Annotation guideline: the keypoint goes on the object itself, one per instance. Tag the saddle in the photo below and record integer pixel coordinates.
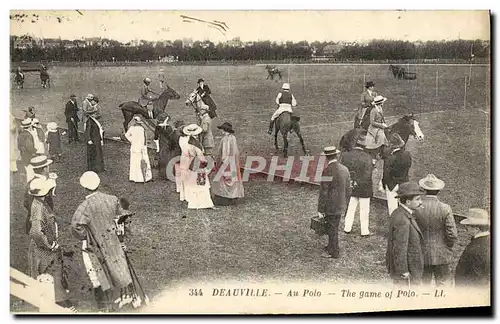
(293, 117)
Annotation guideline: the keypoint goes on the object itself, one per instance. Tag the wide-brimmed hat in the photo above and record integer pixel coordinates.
(72, 96)
(476, 216)
(200, 80)
(227, 127)
(90, 96)
(361, 140)
(395, 141)
(369, 84)
(431, 182)
(40, 161)
(409, 189)
(41, 186)
(285, 86)
(26, 123)
(90, 180)
(379, 99)
(330, 150)
(52, 127)
(192, 130)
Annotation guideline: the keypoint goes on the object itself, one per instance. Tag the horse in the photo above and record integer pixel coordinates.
(405, 126)
(19, 80)
(285, 123)
(131, 108)
(194, 100)
(44, 77)
(271, 71)
(397, 71)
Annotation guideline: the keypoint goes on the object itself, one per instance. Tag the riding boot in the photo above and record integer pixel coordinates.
(271, 127)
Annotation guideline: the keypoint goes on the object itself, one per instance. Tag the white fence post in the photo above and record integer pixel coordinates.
(47, 293)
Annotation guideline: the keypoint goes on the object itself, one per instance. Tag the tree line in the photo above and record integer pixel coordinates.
(261, 50)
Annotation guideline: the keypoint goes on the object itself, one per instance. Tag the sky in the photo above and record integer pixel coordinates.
(252, 25)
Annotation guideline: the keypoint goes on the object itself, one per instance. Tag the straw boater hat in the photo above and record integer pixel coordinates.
(90, 96)
(147, 80)
(90, 180)
(369, 84)
(227, 127)
(40, 161)
(431, 182)
(379, 100)
(285, 86)
(476, 216)
(395, 141)
(330, 150)
(409, 189)
(40, 187)
(26, 123)
(52, 127)
(192, 130)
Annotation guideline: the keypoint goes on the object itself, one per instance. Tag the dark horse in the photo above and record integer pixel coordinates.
(44, 77)
(397, 71)
(271, 71)
(285, 123)
(406, 126)
(131, 108)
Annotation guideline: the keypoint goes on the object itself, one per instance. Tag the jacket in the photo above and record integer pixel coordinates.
(71, 111)
(437, 224)
(334, 193)
(396, 169)
(359, 164)
(404, 246)
(474, 268)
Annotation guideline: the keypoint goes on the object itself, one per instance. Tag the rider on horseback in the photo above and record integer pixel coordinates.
(285, 100)
(204, 92)
(362, 119)
(147, 97)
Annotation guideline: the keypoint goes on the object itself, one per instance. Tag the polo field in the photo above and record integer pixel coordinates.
(268, 236)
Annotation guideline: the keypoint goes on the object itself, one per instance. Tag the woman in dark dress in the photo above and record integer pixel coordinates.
(163, 134)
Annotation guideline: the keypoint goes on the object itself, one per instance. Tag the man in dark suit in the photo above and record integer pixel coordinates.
(71, 112)
(405, 256)
(437, 224)
(474, 267)
(94, 137)
(359, 164)
(396, 168)
(334, 193)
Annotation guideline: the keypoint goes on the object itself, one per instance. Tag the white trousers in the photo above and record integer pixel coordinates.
(89, 268)
(281, 110)
(364, 213)
(392, 201)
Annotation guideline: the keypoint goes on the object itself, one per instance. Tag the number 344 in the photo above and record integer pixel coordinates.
(195, 292)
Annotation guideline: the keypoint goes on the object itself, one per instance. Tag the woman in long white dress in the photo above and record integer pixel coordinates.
(195, 185)
(140, 167)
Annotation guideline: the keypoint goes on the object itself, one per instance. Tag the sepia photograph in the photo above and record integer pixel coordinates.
(249, 161)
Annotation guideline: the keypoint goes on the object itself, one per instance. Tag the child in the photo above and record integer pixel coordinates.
(53, 139)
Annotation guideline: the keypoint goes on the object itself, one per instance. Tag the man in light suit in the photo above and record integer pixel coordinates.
(405, 256)
(436, 222)
(396, 168)
(360, 168)
(334, 194)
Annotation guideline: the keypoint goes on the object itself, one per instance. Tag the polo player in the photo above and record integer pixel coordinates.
(285, 100)
(147, 97)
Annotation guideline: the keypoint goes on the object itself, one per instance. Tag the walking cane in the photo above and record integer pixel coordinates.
(134, 275)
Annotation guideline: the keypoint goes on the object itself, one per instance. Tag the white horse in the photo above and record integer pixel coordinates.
(194, 100)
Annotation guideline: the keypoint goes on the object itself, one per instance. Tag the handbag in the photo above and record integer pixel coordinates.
(319, 225)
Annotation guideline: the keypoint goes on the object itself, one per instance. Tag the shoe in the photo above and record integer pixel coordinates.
(347, 232)
(326, 255)
(366, 235)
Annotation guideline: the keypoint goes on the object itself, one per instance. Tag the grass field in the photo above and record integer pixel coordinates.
(457, 142)
(267, 237)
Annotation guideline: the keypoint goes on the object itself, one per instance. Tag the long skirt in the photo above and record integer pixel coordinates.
(43, 261)
(140, 167)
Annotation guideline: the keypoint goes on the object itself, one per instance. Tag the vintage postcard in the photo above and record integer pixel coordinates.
(249, 162)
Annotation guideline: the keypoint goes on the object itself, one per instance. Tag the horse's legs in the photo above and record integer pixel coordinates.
(285, 144)
(297, 131)
(127, 118)
(276, 131)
